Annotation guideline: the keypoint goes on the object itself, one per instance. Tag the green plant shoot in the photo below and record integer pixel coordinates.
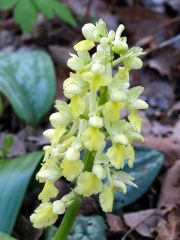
(26, 11)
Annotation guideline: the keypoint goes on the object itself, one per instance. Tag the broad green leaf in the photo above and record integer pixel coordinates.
(85, 228)
(64, 13)
(46, 6)
(148, 162)
(25, 14)
(6, 4)
(1, 106)
(4, 236)
(27, 79)
(15, 175)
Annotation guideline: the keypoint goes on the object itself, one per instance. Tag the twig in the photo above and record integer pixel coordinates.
(163, 44)
(137, 225)
(87, 13)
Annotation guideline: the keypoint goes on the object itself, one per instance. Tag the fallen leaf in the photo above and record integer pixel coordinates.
(169, 228)
(170, 192)
(160, 61)
(143, 221)
(157, 92)
(167, 146)
(60, 54)
(116, 224)
(141, 22)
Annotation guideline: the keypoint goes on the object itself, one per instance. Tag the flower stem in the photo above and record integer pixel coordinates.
(68, 220)
(72, 211)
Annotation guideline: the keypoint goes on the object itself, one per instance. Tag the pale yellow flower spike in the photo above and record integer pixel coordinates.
(90, 120)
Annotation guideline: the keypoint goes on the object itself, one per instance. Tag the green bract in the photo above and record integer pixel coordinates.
(92, 117)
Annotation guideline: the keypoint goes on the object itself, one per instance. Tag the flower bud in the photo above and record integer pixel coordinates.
(120, 186)
(111, 35)
(90, 32)
(57, 151)
(99, 171)
(72, 87)
(101, 28)
(59, 207)
(117, 96)
(135, 63)
(139, 104)
(120, 47)
(98, 68)
(84, 45)
(123, 74)
(96, 121)
(49, 133)
(120, 138)
(119, 32)
(72, 154)
(75, 63)
(55, 119)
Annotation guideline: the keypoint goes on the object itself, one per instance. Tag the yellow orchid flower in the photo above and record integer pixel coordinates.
(135, 121)
(93, 139)
(117, 155)
(84, 45)
(88, 183)
(111, 111)
(130, 155)
(77, 105)
(49, 191)
(106, 198)
(95, 80)
(71, 169)
(43, 216)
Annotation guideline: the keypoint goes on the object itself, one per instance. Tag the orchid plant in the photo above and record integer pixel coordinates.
(90, 141)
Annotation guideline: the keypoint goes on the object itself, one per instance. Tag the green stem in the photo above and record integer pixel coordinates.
(68, 220)
(103, 95)
(121, 59)
(72, 211)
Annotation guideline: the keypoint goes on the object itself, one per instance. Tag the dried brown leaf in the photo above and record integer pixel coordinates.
(170, 192)
(167, 146)
(143, 221)
(115, 223)
(169, 228)
(141, 22)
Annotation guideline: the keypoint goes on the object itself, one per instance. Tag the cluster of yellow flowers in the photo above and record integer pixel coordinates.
(90, 121)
